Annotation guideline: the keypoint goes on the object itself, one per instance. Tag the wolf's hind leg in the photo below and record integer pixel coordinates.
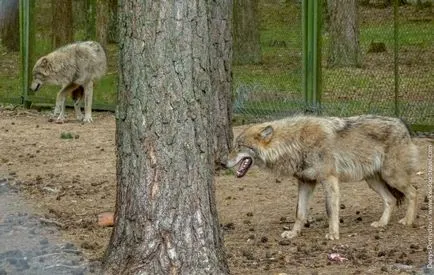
(77, 96)
(398, 172)
(402, 183)
(389, 201)
(331, 189)
(60, 102)
(305, 191)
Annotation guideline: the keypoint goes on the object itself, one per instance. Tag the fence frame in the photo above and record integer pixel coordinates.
(312, 71)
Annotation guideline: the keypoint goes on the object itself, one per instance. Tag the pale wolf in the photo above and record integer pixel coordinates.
(329, 150)
(75, 67)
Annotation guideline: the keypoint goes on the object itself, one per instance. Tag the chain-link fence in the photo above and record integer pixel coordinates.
(395, 75)
(404, 38)
(44, 28)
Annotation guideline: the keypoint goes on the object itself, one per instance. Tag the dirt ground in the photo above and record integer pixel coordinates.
(68, 172)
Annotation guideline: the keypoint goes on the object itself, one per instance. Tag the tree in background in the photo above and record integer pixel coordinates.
(113, 22)
(343, 28)
(91, 8)
(62, 22)
(166, 218)
(102, 21)
(10, 24)
(247, 48)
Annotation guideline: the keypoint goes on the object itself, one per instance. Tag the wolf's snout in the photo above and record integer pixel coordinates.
(34, 87)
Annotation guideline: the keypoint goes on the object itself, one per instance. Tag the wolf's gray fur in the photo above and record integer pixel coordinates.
(329, 150)
(74, 67)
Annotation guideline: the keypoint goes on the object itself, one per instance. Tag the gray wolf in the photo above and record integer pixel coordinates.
(330, 150)
(74, 67)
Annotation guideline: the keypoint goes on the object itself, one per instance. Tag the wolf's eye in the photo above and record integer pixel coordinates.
(246, 146)
(38, 75)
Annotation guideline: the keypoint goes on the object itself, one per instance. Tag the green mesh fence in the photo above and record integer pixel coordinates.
(405, 38)
(10, 76)
(273, 88)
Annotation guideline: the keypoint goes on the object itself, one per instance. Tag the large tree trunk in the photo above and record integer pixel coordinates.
(221, 77)
(166, 219)
(10, 24)
(247, 47)
(344, 50)
(102, 21)
(62, 24)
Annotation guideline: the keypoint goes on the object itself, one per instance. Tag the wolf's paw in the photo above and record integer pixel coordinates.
(378, 224)
(289, 234)
(87, 119)
(332, 236)
(405, 221)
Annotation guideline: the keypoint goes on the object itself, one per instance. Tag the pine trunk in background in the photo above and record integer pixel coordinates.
(343, 28)
(221, 77)
(90, 19)
(10, 24)
(165, 218)
(62, 24)
(247, 47)
(113, 22)
(102, 21)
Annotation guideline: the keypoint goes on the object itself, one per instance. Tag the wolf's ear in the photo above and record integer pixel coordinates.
(45, 66)
(266, 134)
(44, 62)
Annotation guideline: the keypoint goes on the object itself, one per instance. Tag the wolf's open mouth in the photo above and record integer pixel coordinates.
(245, 164)
(36, 88)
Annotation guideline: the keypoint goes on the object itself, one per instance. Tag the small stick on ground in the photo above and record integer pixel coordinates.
(47, 221)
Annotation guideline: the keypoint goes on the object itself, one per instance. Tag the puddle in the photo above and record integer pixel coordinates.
(30, 246)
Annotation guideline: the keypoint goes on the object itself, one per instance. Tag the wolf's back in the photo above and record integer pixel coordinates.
(92, 58)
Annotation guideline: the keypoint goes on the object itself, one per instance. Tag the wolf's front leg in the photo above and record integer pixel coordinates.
(59, 109)
(88, 93)
(331, 189)
(305, 191)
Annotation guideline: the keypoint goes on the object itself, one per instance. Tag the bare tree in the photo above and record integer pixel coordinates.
(10, 24)
(247, 48)
(344, 49)
(62, 24)
(165, 219)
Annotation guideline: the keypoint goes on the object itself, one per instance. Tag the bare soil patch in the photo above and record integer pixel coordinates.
(67, 171)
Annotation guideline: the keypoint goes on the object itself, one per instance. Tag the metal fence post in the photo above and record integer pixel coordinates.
(26, 49)
(311, 24)
(395, 57)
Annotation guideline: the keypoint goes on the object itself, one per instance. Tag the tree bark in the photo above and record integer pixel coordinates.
(165, 218)
(102, 21)
(344, 49)
(62, 24)
(247, 47)
(10, 24)
(221, 77)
